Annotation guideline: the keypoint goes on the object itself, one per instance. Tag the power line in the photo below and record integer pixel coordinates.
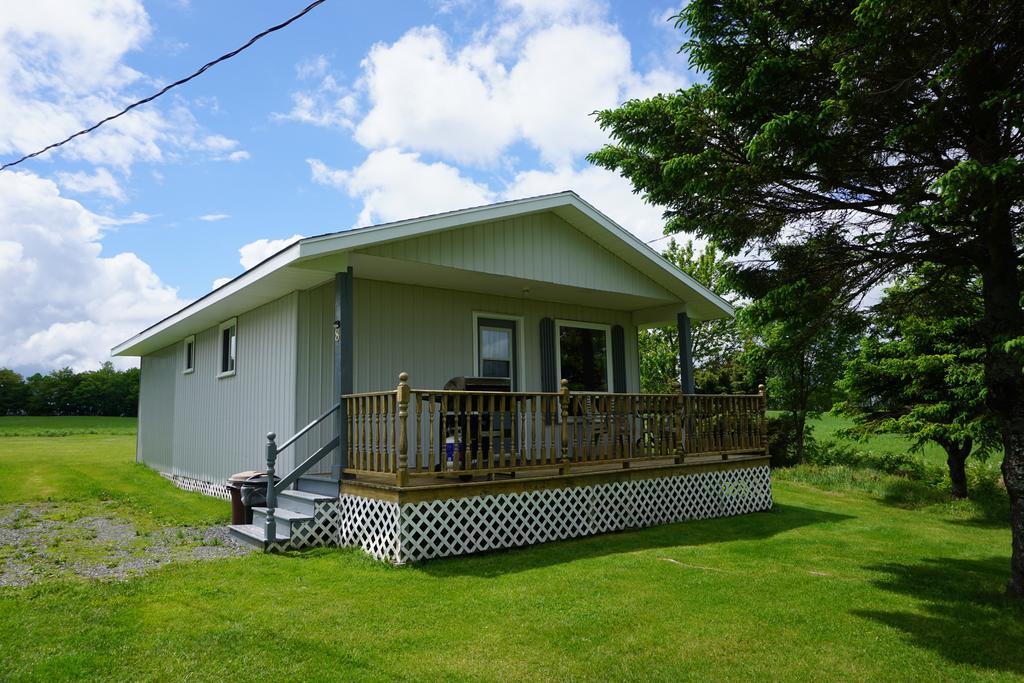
(182, 81)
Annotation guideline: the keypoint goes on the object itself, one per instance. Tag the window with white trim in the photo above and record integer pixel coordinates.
(584, 355)
(228, 348)
(188, 353)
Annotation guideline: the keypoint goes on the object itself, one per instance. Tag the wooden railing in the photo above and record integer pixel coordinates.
(418, 433)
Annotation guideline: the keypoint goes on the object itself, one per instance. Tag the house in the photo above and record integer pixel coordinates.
(448, 384)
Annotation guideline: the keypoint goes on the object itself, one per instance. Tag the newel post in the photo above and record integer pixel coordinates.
(564, 397)
(270, 529)
(402, 393)
(763, 391)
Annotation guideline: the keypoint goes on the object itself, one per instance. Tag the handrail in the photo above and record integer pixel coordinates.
(294, 475)
(273, 450)
(305, 429)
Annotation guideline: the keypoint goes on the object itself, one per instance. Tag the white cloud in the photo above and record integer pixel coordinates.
(254, 253)
(62, 69)
(314, 67)
(608, 192)
(426, 98)
(64, 302)
(135, 218)
(213, 217)
(532, 76)
(101, 182)
(328, 105)
(537, 76)
(322, 174)
(394, 185)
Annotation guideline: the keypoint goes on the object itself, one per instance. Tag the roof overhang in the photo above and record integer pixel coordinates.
(314, 260)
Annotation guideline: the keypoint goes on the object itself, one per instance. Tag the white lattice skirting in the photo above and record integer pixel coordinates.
(419, 531)
(204, 487)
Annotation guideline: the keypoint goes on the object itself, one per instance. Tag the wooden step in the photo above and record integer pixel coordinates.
(301, 501)
(285, 518)
(255, 535)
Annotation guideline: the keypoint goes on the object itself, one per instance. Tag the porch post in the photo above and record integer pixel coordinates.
(685, 353)
(343, 362)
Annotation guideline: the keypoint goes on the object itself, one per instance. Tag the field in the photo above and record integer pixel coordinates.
(827, 426)
(66, 426)
(836, 582)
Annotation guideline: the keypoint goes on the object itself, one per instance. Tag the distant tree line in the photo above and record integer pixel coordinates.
(106, 391)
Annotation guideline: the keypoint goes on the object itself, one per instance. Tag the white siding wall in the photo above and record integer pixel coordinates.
(215, 427)
(539, 247)
(315, 374)
(218, 426)
(429, 333)
(160, 372)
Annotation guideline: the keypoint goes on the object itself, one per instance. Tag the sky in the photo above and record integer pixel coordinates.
(359, 113)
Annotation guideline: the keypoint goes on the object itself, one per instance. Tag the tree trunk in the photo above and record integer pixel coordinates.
(956, 460)
(800, 417)
(1004, 320)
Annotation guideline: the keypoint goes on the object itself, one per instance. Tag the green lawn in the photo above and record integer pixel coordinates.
(91, 471)
(832, 584)
(826, 427)
(65, 426)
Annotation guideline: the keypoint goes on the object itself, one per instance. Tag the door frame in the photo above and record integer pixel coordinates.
(518, 356)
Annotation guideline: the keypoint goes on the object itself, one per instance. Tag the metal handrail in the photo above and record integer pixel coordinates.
(305, 429)
(273, 450)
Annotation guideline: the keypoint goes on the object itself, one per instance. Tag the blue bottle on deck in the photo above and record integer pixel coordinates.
(450, 445)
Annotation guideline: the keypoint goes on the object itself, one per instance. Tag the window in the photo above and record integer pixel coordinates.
(497, 347)
(189, 353)
(228, 348)
(584, 355)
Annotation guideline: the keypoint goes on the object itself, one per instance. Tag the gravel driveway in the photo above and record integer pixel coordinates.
(41, 540)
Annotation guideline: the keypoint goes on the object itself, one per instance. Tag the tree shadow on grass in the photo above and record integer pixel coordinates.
(986, 509)
(964, 614)
(752, 526)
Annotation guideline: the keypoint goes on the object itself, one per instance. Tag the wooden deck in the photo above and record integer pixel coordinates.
(425, 439)
(383, 487)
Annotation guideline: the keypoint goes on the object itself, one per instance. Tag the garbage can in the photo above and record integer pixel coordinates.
(254, 491)
(240, 513)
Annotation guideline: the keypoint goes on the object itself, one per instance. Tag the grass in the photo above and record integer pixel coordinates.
(836, 582)
(827, 427)
(65, 426)
(97, 474)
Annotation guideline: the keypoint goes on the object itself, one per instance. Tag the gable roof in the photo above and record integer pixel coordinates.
(295, 266)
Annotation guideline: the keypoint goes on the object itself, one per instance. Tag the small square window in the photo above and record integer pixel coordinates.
(228, 348)
(189, 355)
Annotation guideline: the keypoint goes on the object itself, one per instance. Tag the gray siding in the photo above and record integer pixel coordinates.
(539, 247)
(160, 371)
(315, 376)
(429, 333)
(201, 426)
(221, 424)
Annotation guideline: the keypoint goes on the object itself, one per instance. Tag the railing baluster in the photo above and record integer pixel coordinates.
(416, 454)
(402, 401)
